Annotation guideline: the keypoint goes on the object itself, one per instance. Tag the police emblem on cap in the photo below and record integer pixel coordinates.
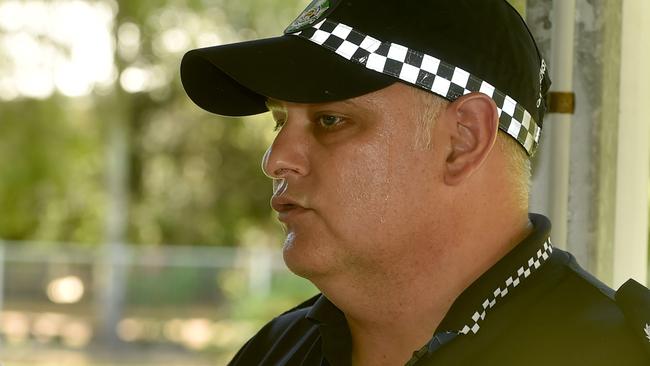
(542, 71)
(314, 11)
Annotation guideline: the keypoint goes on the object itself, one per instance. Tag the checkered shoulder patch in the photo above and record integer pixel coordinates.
(424, 71)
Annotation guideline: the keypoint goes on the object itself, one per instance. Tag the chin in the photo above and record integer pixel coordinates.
(303, 258)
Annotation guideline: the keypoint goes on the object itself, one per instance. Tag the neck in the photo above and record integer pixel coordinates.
(394, 312)
(393, 339)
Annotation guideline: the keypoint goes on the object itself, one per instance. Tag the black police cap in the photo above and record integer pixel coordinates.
(339, 49)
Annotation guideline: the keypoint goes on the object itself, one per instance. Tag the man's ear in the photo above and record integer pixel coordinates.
(473, 125)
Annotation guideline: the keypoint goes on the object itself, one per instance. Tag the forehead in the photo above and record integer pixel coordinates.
(395, 95)
(358, 103)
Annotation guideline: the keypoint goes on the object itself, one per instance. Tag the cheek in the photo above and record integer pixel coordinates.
(365, 190)
(369, 180)
(391, 195)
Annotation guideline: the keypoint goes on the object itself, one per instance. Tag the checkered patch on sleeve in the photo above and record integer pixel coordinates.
(424, 71)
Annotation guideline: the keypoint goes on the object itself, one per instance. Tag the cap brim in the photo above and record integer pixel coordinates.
(236, 79)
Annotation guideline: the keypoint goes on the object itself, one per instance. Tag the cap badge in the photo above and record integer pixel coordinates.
(309, 16)
(542, 71)
(647, 331)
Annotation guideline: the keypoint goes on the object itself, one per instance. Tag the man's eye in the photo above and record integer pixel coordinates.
(329, 121)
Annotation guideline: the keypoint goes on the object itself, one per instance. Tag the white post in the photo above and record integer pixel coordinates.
(111, 276)
(561, 66)
(259, 271)
(633, 173)
(2, 275)
(2, 278)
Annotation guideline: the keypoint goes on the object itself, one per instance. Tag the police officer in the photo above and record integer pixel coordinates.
(401, 169)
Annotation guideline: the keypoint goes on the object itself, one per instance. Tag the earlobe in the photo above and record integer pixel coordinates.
(473, 132)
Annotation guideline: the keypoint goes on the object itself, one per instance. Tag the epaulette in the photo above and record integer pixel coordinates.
(634, 300)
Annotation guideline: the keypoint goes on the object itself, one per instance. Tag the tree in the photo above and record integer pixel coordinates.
(193, 178)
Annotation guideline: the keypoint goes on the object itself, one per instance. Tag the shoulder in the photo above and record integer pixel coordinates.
(634, 301)
(278, 336)
(589, 315)
(580, 288)
(571, 293)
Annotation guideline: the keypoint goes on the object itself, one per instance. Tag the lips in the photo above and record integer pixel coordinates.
(286, 207)
(284, 204)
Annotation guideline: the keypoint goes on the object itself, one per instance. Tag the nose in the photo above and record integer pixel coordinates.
(287, 155)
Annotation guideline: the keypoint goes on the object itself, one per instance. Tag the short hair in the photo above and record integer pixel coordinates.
(518, 161)
(432, 106)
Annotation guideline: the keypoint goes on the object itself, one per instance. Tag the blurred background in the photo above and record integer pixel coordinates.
(135, 228)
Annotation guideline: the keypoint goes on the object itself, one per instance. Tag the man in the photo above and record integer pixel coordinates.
(400, 172)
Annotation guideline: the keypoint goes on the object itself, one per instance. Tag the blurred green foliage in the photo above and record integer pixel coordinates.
(193, 178)
(171, 286)
(286, 292)
(50, 169)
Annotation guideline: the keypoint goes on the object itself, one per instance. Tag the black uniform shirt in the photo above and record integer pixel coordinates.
(535, 306)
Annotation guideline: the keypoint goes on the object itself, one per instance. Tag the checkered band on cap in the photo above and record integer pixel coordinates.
(510, 283)
(424, 71)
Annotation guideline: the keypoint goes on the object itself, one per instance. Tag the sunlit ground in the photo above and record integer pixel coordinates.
(55, 356)
(40, 336)
(182, 306)
(72, 332)
(60, 339)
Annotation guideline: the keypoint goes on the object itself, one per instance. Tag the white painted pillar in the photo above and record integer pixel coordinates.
(2, 276)
(260, 271)
(633, 163)
(561, 66)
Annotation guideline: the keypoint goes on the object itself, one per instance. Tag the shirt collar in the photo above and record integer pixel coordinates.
(335, 333)
(473, 305)
(324, 312)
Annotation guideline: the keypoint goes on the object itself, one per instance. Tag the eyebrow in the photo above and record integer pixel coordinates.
(276, 105)
(273, 105)
(278, 111)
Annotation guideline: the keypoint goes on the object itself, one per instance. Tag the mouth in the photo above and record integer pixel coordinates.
(286, 208)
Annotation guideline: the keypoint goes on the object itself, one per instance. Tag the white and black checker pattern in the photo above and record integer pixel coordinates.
(511, 282)
(424, 71)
